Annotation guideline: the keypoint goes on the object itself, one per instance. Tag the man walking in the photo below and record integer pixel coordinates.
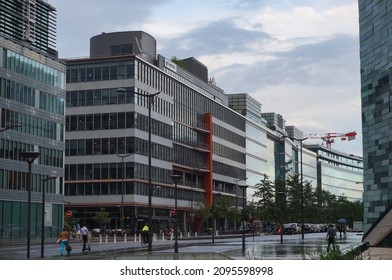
(84, 232)
(331, 234)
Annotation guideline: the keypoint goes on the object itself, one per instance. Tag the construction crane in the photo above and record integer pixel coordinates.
(328, 137)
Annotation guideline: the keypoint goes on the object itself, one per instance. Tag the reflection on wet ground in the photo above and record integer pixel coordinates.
(293, 248)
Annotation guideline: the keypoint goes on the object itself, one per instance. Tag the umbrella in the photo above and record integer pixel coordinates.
(342, 221)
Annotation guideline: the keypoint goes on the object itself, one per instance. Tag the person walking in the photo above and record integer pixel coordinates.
(84, 232)
(64, 236)
(331, 234)
(145, 231)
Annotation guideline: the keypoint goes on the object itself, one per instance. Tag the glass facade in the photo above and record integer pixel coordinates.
(32, 118)
(338, 173)
(375, 23)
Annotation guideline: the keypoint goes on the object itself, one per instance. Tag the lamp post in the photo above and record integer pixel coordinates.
(29, 157)
(122, 191)
(43, 213)
(243, 187)
(175, 179)
(150, 102)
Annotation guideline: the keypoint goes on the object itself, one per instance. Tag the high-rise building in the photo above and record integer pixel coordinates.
(32, 119)
(375, 23)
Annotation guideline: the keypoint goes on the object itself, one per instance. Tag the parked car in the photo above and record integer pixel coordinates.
(245, 230)
(112, 232)
(96, 232)
(291, 228)
(309, 228)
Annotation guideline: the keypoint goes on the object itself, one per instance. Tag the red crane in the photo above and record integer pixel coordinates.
(328, 137)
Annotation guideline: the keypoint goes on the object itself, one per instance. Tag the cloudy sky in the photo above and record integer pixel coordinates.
(299, 58)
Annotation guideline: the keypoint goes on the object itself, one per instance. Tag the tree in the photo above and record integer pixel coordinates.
(177, 61)
(101, 217)
(266, 208)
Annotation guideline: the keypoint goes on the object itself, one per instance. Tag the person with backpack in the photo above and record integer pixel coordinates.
(331, 234)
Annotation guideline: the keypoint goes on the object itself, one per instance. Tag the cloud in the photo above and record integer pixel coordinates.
(298, 58)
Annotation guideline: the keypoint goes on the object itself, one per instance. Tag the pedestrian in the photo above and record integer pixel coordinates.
(340, 230)
(331, 234)
(63, 237)
(145, 231)
(344, 232)
(84, 232)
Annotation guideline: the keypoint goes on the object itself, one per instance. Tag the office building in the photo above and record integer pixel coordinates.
(375, 23)
(338, 173)
(194, 134)
(32, 118)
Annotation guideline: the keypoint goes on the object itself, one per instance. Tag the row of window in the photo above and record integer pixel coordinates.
(229, 135)
(110, 96)
(11, 150)
(17, 180)
(23, 94)
(105, 171)
(90, 72)
(116, 146)
(33, 69)
(31, 124)
(117, 121)
(134, 188)
(229, 153)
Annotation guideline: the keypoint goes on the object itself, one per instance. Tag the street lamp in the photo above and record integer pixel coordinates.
(10, 127)
(150, 102)
(43, 213)
(243, 187)
(175, 179)
(302, 184)
(29, 157)
(122, 191)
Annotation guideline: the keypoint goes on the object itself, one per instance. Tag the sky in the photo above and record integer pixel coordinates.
(298, 58)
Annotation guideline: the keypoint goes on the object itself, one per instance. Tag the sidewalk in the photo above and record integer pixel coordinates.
(224, 247)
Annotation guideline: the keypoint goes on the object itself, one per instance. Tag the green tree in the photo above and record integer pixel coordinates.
(177, 61)
(101, 217)
(266, 208)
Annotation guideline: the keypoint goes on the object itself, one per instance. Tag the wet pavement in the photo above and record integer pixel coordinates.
(257, 247)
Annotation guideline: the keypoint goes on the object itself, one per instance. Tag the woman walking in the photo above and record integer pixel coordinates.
(64, 241)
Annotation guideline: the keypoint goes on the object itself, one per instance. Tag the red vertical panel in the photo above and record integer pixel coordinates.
(207, 180)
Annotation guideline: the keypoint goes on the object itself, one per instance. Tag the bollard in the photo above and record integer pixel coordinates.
(154, 237)
(100, 239)
(125, 237)
(140, 238)
(181, 234)
(171, 236)
(163, 236)
(189, 234)
(106, 238)
(135, 237)
(114, 238)
(195, 234)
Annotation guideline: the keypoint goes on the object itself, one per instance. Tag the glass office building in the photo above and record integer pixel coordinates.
(339, 173)
(375, 21)
(32, 118)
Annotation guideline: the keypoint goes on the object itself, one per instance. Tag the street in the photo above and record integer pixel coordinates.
(225, 247)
